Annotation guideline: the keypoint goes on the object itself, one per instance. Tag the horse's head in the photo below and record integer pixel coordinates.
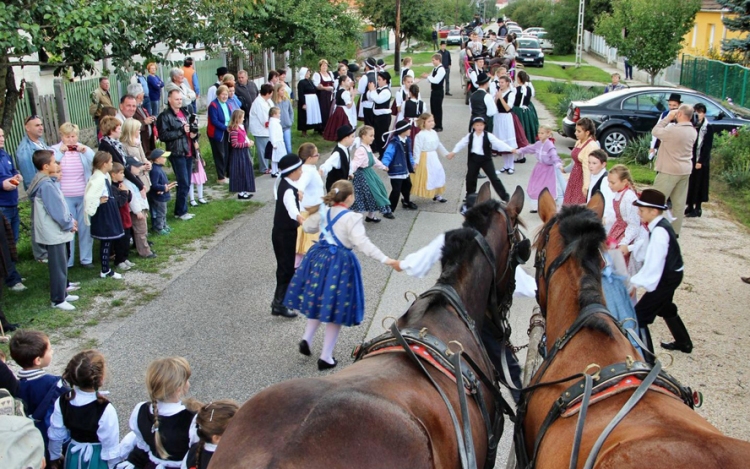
(492, 242)
(568, 247)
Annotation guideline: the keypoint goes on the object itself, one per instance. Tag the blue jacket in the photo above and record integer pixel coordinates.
(7, 171)
(39, 393)
(24, 152)
(216, 122)
(154, 87)
(398, 157)
(143, 81)
(159, 183)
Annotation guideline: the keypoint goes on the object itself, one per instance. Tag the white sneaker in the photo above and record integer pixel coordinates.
(72, 288)
(193, 203)
(65, 306)
(129, 263)
(112, 274)
(123, 266)
(202, 200)
(187, 216)
(18, 287)
(74, 284)
(71, 298)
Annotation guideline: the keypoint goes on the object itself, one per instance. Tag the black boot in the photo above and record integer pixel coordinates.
(682, 340)
(648, 355)
(277, 306)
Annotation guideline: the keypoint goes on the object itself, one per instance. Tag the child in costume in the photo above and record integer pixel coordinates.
(313, 189)
(370, 195)
(276, 139)
(627, 232)
(546, 172)
(211, 422)
(240, 161)
(428, 180)
(399, 159)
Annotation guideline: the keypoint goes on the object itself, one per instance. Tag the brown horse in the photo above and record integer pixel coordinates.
(382, 412)
(660, 431)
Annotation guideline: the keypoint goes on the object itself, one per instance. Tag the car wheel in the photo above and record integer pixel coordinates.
(614, 141)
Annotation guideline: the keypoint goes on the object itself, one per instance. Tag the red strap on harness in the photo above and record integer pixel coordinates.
(631, 382)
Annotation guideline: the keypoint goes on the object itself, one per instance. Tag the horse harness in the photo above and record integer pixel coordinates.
(421, 346)
(590, 388)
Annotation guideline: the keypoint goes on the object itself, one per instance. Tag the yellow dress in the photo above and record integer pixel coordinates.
(428, 179)
(305, 240)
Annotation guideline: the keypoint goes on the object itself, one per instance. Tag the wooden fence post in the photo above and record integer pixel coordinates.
(63, 114)
(33, 93)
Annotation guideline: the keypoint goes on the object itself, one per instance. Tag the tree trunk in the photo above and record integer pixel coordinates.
(397, 34)
(653, 77)
(8, 93)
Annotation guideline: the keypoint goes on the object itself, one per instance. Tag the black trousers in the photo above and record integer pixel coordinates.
(121, 246)
(220, 149)
(399, 187)
(284, 247)
(659, 302)
(477, 162)
(369, 117)
(382, 124)
(495, 350)
(436, 106)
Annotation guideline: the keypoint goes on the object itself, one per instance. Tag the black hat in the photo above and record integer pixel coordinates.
(480, 57)
(482, 78)
(343, 132)
(380, 62)
(130, 161)
(344, 61)
(354, 68)
(651, 198)
(289, 163)
(371, 62)
(385, 76)
(158, 153)
(442, 43)
(402, 125)
(478, 119)
(675, 97)
(221, 71)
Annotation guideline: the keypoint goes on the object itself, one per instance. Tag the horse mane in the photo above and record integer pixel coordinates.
(577, 224)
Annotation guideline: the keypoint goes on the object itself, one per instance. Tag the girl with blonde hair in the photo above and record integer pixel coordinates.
(626, 231)
(428, 180)
(283, 102)
(240, 162)
(370, 193)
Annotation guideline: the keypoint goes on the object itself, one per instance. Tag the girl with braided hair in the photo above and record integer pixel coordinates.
(164, 426)
(211, 422)
(86, 417)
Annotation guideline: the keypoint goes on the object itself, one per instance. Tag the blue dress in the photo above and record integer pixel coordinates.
(106, 222)
(618, 302)
(327, 286)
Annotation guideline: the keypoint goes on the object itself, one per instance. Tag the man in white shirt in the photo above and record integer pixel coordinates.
(258, 120)
(436, 79)
(480, 145)
(660, 275)
(365, 105)
(380, 96)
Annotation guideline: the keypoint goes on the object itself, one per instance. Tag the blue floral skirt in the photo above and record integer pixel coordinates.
(327, 286)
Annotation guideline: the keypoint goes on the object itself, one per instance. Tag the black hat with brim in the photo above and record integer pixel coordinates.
(651, 198)
(385, 76)
(289, 163)
(675, 97)
(221, 71)
(343, 132)
(482, 78)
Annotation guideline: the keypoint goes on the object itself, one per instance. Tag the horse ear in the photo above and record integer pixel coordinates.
(485, 193)
(597, 204)
(547, 206)
(516, 202)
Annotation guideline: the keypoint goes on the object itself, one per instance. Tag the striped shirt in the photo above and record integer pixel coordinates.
(73, 180)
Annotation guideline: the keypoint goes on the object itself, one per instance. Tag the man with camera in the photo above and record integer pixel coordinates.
(178, 129)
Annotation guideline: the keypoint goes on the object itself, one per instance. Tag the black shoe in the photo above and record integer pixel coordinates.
(372, 220)
(304, 347)
(150, 256)
(10, 327)
(684, 348)
(448, 94)
(689, 209)
(389, 216)
(278, 309)
(438, 129)
(522, 160)
(87, 266)
(533, 211)
(681, 336)
(481, 176)
(324, 365)
(409, 205)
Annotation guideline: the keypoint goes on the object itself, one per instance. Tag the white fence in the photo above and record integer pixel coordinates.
(596, 45)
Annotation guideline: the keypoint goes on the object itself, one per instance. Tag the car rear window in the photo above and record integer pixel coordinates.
(528, 44)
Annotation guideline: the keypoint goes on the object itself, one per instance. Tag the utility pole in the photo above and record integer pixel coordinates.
(397, 50)
(579, 36)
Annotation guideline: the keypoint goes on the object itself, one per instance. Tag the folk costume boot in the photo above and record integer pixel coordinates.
(682, 340)
(277, 306)
(648, 354)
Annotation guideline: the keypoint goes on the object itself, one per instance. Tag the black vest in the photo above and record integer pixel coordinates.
(413, 110)
(485, 144)
(281, 219)
(385, 104)
(371, 78)
(500, 108)
(473, 88)
(437, 86)
(173, 431)
(674, 255)
(521, 99)
(204, 460)
(338, 174)
(478, 107)
(598, 186)
(83, 421)
(403, 74)
(339, 99)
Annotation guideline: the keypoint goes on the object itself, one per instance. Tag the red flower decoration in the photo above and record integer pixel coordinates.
(266, 124)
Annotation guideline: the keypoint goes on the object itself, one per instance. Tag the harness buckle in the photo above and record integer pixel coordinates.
(450, 352)
(382, 323)
(423, 333)
(596, 367)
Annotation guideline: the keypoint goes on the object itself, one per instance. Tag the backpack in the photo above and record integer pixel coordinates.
(9, 405)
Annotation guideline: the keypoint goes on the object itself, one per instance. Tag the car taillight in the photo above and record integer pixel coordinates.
(576, 114)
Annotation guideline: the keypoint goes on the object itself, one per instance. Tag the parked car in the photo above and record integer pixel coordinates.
(515, 29)
(545, 43)
(443, 32)
(454, 37)
(622, 115)
(529, 51)
(534, 31)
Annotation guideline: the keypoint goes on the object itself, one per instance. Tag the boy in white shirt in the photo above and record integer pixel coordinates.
(598, 183)
(276, 139)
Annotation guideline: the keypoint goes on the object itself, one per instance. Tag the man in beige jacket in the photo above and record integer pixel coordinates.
(674, 160)
(100, 98)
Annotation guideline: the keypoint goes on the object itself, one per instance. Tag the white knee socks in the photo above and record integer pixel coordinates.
(200, 191)
(310, 328)
(509, 161)
(329, 342)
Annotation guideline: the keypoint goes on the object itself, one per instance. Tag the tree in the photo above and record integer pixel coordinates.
(417, 16)
(740, 21)
(648, 33)
(560, 24)
(453, 12)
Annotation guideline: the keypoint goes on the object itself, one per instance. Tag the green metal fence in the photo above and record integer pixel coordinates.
(206, 70)
(17, 131)
(78, 99)
(717, 79)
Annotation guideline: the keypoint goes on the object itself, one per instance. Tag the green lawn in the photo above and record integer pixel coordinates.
(418, 58)
(570, 73)
(641, 174)
(563, 58)
(737, 202)
(418, 71)
(550, 100)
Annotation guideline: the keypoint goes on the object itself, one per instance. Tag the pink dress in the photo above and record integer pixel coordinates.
(199, 172)
(543, 174)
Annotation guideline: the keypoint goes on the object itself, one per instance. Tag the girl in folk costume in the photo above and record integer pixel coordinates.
(308, 106)
(198, 179)
(380, 95)
(503, 127)
(397, 109)
(240, 163)
(323, 81)
(328, 285)
(370, 194)
(344, 112)
(627, 232)
(428, 180)
(277, 147)
(313, 189)
(413, 108)
(164, 426)
(577, 189)
(341, 72)
(210, 423)
(406, 69)
(546, 172)
(524, 108)
(698, 183)
(85, 417)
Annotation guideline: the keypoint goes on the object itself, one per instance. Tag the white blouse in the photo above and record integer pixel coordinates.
(350, 230)
(311, 185)
(427, 141)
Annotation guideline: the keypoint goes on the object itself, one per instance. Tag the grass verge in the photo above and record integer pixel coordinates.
(737, 202)
(570, 73)
(570, 58)
(550, 100)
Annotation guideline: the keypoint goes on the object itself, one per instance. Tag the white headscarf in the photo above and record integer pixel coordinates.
(303, 73)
